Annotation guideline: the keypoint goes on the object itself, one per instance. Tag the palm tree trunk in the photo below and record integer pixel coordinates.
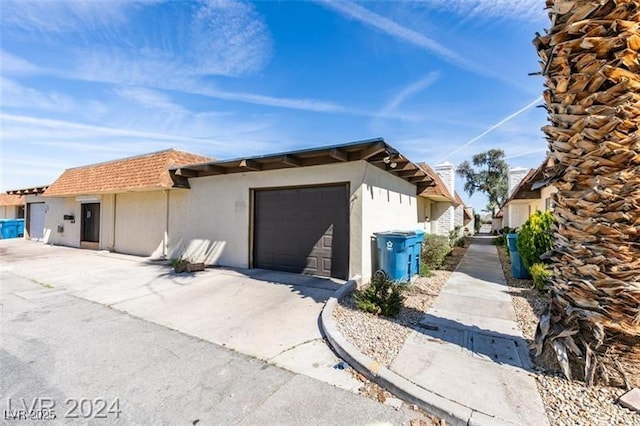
(590, 62)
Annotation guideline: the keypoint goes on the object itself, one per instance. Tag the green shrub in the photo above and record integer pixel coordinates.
(540, 274)
(435, 249)
(460, 242)
(425, 271)
(535, 238)
(381, 297)
(454, 235)
(477, 222)
(499, 241)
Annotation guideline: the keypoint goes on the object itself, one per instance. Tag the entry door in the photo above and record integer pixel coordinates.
(91, 222)
(303, 230)
(36, 213)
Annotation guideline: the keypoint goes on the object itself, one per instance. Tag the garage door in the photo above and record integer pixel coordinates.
(303, 230)
(36, 220)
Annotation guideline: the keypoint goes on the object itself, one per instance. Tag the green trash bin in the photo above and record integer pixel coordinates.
(518, 268)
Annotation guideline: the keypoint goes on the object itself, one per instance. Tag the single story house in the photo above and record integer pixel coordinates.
(121, 205)
(310, 211)
(527, 195)
(34, 211)
(11, 206)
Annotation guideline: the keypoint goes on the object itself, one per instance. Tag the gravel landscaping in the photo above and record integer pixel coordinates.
(567, 402)
(381, 338)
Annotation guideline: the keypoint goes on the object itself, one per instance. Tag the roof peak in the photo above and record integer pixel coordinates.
(132, 157)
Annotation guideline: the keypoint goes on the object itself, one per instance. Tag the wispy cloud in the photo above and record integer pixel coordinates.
(65, 16)
(410, 91)
(151, 99)
(494, 127)
(517, 10)
(394, 29)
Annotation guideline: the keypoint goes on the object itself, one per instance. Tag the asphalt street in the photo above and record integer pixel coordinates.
(84, 362)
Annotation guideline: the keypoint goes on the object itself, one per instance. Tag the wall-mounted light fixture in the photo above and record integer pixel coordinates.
(390, 162)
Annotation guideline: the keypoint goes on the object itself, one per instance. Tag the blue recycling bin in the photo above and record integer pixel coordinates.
(518, 269)
(8, 228)
(398, 255)
(20, 227)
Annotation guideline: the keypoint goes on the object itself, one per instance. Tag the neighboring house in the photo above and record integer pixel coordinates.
(310, 211)
(120, 205)
(34, 211)
(528, 193)
(11, 206)
(468, 221)
(440, 206)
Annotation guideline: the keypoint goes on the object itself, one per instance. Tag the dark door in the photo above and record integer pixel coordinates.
(303, 230)
(90, 222)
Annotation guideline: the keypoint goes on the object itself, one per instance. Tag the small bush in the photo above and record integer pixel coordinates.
(435, 249)
(381, 297)
(460, 242)
(535, 238)
(499, 241)
(454, 234)
(425, 271)
(540, 274)
(494, 232)
(179, 265)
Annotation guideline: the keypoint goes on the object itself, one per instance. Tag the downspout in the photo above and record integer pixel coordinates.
(165, 243)
(115, 213)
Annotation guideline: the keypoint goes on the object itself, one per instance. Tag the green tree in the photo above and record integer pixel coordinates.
(488, 174)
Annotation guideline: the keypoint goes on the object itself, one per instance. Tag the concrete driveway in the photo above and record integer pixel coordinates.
(269, 315)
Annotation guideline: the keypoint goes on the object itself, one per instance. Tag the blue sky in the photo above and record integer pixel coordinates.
(89, 81)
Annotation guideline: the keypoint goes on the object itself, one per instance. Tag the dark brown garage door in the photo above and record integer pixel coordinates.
(303, 230)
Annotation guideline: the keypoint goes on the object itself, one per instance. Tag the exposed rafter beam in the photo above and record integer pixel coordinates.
(250, 165)
(414, 179)
(211, 170)
(291, 161)
(186, 172)
(338, 155)
(408, 173)
(375, 149)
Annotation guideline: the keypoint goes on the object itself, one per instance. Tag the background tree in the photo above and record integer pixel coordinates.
(589, 59)
(489, 176)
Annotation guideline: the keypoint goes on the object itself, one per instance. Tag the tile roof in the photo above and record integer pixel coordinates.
(458, 198)
(141, 173)
(11, 200)
(439, 189)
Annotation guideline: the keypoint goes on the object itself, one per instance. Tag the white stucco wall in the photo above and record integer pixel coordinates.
(140, 223)
(388, 203)
(517, 212)
(210, 222)
(425, 221)
(8, 212)
(58, 207)
(545, 194)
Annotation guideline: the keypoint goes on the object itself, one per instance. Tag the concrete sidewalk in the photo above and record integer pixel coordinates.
(469, 348)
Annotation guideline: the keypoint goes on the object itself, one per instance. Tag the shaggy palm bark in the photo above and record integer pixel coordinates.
(590, 64)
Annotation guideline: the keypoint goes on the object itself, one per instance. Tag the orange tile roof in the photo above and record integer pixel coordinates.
(11, 200)
(439, 188)
(458, 198)
(141, 173)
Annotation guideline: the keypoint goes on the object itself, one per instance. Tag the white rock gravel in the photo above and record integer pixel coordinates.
(381, 338)
(566, 402)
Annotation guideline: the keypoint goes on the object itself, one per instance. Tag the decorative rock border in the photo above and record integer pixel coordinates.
(451, 411)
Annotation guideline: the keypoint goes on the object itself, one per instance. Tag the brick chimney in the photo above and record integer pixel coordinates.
(447, 173)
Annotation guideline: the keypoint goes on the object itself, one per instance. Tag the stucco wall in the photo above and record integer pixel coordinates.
(140, 223)
(8, 212)
(545, 194)
(425, 221)
(517, 212)
(388, 203)
(210, 222)
(54, 217)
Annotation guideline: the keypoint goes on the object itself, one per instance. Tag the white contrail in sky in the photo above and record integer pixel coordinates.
(494, 127)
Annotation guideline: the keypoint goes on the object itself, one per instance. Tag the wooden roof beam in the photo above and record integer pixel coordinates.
(336, 154)
(211, 170)
(290, 161)
(408, 173)
(250, 165)
(186, 172)
(373, 150)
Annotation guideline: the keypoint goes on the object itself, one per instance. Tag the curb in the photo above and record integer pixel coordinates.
(451, 411)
